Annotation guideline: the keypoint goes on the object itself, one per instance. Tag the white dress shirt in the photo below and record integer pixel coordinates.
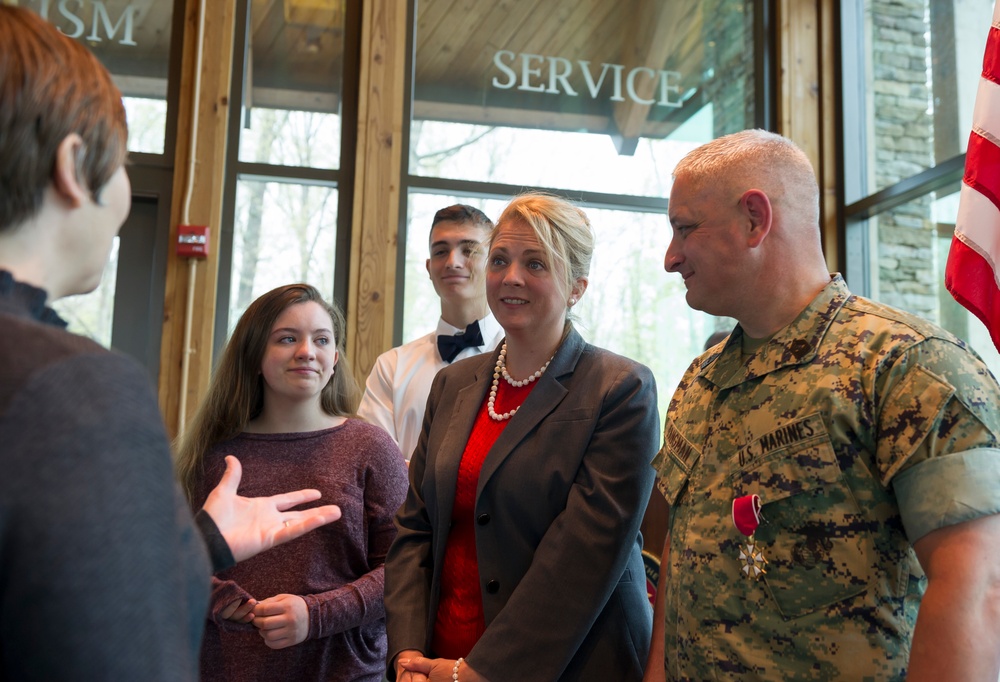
(397, 388)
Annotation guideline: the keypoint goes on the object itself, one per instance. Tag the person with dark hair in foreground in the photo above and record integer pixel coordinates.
(103, 573)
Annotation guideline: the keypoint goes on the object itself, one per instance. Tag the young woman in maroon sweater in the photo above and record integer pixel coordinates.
(283, 401)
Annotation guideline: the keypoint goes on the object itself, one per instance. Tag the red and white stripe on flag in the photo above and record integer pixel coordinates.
(971, 274)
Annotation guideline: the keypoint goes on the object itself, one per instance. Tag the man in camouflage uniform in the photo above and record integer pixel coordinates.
(869, 436)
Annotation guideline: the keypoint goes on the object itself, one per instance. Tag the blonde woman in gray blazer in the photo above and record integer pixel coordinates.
(518, 552)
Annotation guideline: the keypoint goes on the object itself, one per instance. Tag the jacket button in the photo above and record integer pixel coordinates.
(493, 587)
(483, 519)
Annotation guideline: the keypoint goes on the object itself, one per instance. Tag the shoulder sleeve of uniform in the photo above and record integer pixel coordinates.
(937, 398)
(949, 489)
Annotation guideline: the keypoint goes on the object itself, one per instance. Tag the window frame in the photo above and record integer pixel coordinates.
(340, 179)
(854, 169)
(765, 111)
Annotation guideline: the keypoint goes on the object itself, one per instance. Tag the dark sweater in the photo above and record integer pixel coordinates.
(337, 569)
(103, 575)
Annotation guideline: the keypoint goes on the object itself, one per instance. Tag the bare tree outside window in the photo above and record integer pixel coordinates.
(284, 231)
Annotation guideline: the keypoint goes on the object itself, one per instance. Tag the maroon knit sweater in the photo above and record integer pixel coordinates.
(338, 568)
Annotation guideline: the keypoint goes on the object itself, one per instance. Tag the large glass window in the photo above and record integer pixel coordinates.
(915, 87)
(293, 84)
(284, 217)
(911, 70)
(928, 223)
(596, 102)
(284, 232)
(132, 39)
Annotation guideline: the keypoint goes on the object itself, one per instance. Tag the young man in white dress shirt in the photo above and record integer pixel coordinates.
(397, 388)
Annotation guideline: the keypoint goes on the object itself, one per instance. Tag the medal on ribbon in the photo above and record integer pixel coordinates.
(746, 517)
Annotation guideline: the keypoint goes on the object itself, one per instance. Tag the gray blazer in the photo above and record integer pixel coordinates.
(560, 498)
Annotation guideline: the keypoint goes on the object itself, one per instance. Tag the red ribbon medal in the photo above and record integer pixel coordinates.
(746, 517)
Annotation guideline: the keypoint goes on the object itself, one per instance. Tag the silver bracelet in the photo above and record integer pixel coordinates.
(454, 671)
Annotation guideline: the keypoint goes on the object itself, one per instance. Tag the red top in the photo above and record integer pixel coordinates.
(460, 622)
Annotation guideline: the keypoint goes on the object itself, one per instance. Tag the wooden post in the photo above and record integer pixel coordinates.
(807, 101)
(375, 227)
(209, 120)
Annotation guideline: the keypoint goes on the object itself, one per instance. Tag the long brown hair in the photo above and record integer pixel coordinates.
(236, 394)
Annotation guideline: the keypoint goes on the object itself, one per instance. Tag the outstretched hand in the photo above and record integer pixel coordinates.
(251, 525)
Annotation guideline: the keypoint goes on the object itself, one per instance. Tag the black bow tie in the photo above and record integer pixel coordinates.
(451, 346)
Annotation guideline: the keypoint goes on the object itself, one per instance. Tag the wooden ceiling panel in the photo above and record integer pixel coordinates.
(298, 54)
(593, 33)
(441, 34)
(662, 32)
(508, 19)
(456, 41)
(430, 15)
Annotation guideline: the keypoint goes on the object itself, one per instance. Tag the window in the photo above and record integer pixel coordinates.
(911, 70)
(133, 40)
(284, 232)
(595, 103)
(287, 206)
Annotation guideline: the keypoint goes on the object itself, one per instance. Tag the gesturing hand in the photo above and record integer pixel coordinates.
(282, 620)
(252, 524)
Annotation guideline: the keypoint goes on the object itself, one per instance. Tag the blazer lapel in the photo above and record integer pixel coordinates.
(540, 403)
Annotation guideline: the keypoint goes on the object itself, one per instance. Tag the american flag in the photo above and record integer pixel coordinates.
(971, 274)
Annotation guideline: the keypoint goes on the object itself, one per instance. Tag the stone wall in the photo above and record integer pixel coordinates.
(903, 146)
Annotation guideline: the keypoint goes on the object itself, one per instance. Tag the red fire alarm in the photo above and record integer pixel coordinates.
(192, 241)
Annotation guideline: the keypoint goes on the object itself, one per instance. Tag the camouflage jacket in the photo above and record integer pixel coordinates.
(821, 422)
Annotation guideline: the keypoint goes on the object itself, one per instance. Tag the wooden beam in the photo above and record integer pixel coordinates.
(829, 178)
(209, 121)
(807, 100)
(503, 116)
(379, 167)
(799, 59)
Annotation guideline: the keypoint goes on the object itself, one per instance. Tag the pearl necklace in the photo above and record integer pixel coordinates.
(501, 370)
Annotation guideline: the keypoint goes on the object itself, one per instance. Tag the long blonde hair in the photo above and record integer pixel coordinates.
(236, 394)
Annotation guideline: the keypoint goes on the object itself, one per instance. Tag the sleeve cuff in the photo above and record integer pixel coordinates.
(943, 491)
(218, 550)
